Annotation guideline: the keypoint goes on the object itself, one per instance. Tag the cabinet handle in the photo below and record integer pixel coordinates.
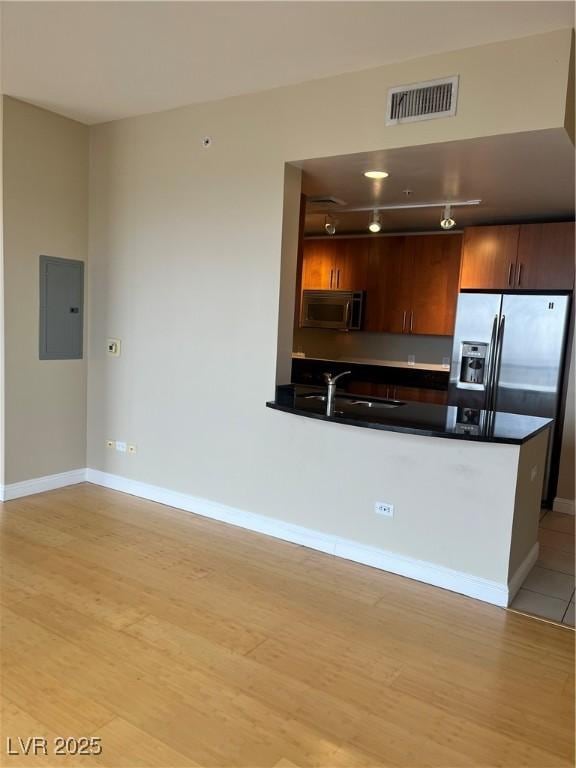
(337, 278)
(331, 277)
(520, 275)
(511, 274)
(411, 320)
(404, 322)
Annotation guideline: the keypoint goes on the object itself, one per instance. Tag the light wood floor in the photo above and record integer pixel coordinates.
(184, 642)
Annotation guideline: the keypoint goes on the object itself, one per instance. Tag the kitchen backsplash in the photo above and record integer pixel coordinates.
(314, 342)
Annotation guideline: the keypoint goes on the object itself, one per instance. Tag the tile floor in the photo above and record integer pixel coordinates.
(548, 591)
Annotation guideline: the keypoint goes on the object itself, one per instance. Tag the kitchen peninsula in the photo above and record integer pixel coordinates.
(411, 417)
(480, 473)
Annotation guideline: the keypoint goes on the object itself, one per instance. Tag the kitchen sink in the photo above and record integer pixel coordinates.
(371, 403)
(344, 402)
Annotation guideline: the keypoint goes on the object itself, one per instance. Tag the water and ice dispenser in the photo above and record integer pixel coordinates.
(474, 365)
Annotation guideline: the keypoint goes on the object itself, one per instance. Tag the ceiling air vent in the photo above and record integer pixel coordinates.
(422, 101)
(326, 201)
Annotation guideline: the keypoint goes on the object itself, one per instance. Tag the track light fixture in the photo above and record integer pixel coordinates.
(375, 224)
(447, 222)
(330, 225)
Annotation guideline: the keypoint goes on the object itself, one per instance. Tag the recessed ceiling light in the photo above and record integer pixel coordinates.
(376, 174)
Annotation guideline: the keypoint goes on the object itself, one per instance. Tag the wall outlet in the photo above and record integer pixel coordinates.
(110, 443)
(120, 446)
(383, 508)
(113, 347)
(411, 359)
(445, 362)
(132, 449)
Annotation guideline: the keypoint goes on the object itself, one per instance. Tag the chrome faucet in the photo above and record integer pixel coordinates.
(331, 382)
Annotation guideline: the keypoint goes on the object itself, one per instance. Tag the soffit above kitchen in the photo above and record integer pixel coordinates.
(100, 61)
(518, 177)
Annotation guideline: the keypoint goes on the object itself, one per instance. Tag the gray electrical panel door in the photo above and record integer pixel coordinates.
(61, 308)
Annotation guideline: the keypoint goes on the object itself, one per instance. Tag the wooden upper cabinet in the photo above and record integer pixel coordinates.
(489, 257)
(338, 264)
(411, 282)
(389, 287)
(519, 256)
(546, 256)
(352, 264)
(318, 263)
(413, 285)
(435, 263)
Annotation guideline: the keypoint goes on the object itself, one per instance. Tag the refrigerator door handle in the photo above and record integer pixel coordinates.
(491, 356)
(497, 363)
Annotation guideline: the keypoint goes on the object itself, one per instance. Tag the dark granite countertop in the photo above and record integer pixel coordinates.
(410, 417)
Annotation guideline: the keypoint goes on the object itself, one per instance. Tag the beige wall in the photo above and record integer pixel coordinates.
(531, 466)
(185, 266)
(2, 402)
(288, 265)
(45, 184)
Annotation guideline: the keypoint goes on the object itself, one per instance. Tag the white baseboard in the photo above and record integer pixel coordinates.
(456, 581)
(567, 506)
(466, 584)
(522, 571)
(41, 484)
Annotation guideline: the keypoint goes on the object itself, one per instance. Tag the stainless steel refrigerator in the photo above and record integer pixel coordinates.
(508, 355)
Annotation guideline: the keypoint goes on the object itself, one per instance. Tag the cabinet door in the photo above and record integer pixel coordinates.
(351, 262)
(420, 395)
(436, 270)
(546, 256)
(489, 257)
(318, 264)
(389, 292)
(369, 389)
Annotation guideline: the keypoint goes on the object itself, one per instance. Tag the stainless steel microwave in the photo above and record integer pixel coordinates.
(338, 310)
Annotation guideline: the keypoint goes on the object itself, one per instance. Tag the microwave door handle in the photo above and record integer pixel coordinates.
(347, 317)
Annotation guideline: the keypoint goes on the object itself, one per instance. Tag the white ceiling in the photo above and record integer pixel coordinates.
(99, 61)
(524, 176)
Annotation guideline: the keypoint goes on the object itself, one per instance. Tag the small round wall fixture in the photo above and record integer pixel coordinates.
(375, 224)
(447, 222)
(376, 174)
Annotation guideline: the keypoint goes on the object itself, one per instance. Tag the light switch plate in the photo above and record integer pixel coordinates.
(113, 347)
